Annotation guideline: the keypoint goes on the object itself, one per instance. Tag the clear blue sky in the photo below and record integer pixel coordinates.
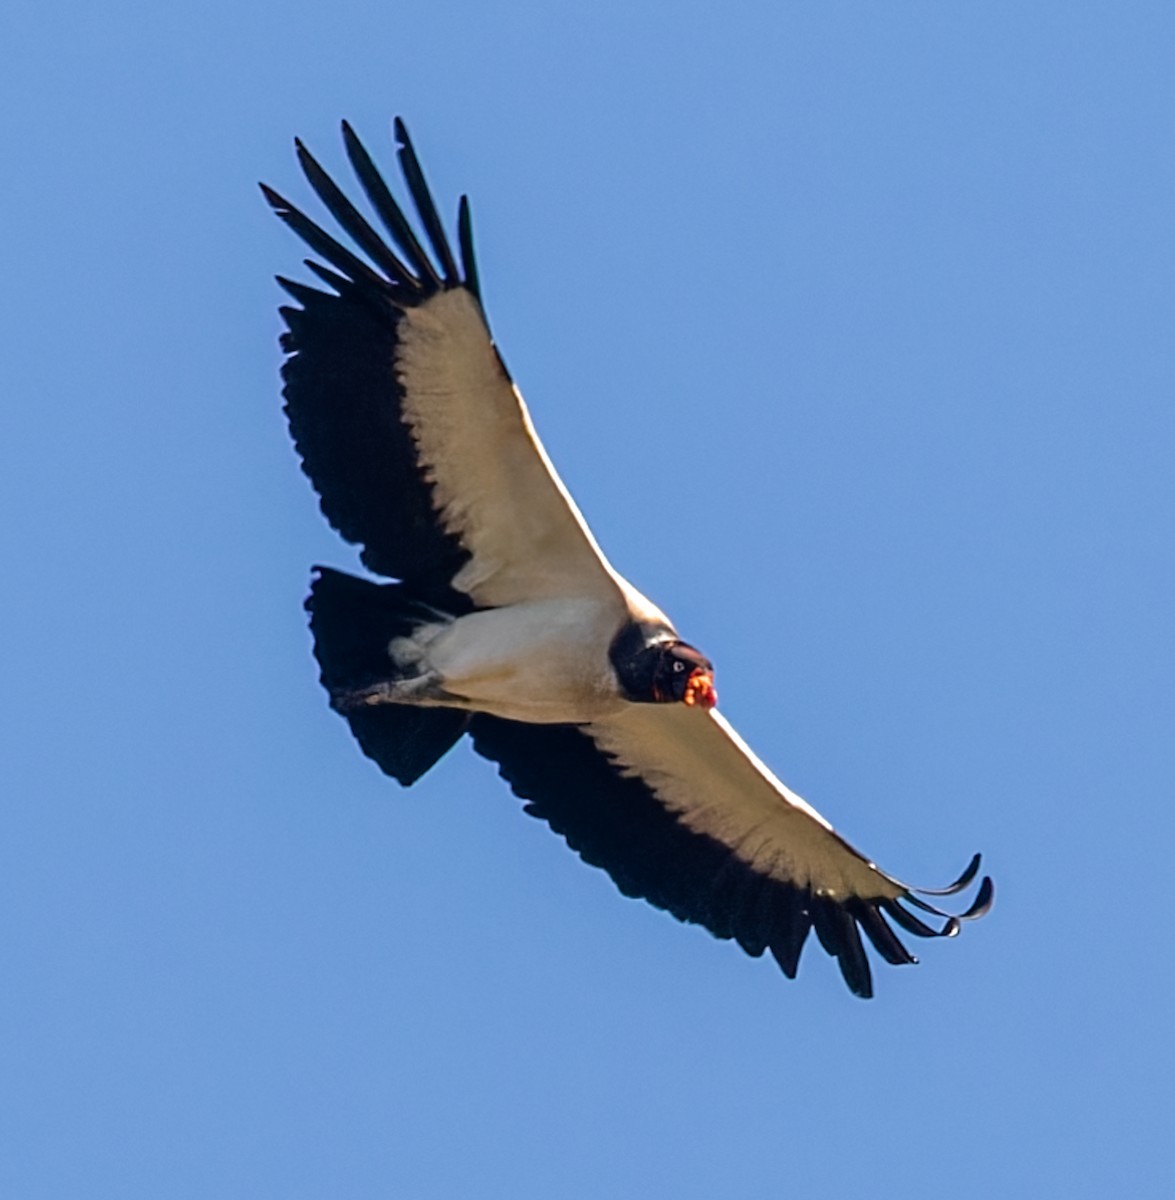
(903, 277)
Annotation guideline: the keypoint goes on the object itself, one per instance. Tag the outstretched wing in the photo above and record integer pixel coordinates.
(675, 807)
(408, 425)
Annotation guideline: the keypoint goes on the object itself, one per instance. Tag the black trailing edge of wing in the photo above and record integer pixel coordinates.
(615, 822)
(343, 400)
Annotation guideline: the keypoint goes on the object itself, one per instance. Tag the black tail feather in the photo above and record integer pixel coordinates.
(352, 621)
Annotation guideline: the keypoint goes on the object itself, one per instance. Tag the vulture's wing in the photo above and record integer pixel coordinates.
(408, 425)
(677, 809)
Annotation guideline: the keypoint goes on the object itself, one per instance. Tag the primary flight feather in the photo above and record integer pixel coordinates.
(507, 623)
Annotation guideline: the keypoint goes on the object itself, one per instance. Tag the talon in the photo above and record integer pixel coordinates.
(347, 701)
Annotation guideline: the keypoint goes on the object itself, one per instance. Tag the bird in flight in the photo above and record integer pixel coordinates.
(505, 622)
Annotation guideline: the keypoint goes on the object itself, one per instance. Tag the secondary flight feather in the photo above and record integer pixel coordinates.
(505, 622)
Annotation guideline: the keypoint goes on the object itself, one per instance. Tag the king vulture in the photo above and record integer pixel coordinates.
(506, 623)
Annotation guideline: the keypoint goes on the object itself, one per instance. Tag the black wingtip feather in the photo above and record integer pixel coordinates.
(952, 889)
(275, 200)
(303, 293)
(340, 283)
(794, 923)
(322, 243)
(465, 238)
(352, 221)
(882, 938)
(837, 931)
(425, 206)
(389, 211)
(983, 901)
(911, 924)
(750, 914)
(381, 305)
(787, 950)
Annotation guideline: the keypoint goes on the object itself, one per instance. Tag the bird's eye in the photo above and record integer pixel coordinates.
(679, 665)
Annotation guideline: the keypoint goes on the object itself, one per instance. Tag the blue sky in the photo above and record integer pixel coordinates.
(901, 278)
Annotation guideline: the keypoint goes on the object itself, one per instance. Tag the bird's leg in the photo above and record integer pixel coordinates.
(417, 690)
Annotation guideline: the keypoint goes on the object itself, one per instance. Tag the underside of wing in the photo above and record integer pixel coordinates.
(674, 807)
(408, 425)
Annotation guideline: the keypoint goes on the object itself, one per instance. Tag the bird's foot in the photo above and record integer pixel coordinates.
(387, 691)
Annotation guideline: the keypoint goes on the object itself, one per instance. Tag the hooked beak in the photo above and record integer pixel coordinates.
(699, 690)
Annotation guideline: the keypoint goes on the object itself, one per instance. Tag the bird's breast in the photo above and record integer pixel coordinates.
(544, 661)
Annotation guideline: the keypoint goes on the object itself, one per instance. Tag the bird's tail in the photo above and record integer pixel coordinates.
(353, 623)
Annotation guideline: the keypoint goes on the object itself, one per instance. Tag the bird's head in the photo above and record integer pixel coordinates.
(684, 674)
(668, 672)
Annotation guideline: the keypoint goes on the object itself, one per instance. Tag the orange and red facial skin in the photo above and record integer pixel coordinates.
(700, 690)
